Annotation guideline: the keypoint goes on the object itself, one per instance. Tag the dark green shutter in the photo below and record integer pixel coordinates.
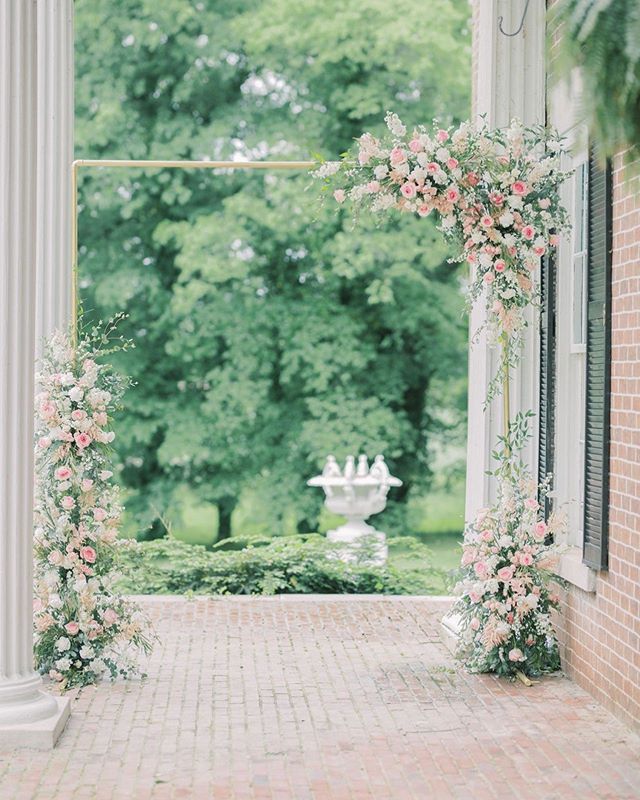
(598, 382)
(546, 429)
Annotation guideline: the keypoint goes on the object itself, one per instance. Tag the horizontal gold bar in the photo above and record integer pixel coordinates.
(87, 162)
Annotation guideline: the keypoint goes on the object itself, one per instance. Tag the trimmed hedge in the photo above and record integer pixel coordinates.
(301, 564)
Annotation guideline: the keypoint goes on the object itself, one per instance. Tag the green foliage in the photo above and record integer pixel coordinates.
(268, 333)
(284, 565)
(602, 37)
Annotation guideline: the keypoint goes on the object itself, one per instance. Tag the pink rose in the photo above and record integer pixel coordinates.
(68, 502)
(415, 146)
(526, 559)
(468, 556)
(516, 655)
(82, 440)
(540, 250)
(88, 554)
(544, 202)
(63, 473)
(47, 409)
(481, 569)
(397, 156)
(78, 414)
(528, 232)
(497, 198)
(540, 530)
(531, 503)
(500, 265)
(475, 624)
(100, 418)
(486, 221)
(474, 596)
(99, 514)
(372, 186)
(408, 190)
(489, 277)
(505, 574)
(72, 628)
(519, 188)
(433, 167)
(442, 135)
(487, 535)
(472, 179)
(452, 194)
(339, 195)
(44, 442)
(424, 210)
(554, 240)
(86, 484)
(110, 617)
(452, 163)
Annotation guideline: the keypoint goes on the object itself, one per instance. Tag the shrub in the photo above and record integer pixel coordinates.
(286, 565)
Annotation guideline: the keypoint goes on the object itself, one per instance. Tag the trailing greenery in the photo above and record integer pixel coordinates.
(602, 37)
(301, 564)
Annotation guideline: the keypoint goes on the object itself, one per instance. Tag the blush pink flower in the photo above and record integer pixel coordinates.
(339, 195)
(489, 277)
(78, 414)
(474, 596)
(554, 240)
(486, 221)
(540, 530)
(516, 655)
(99, 514)
(408, 190)
(531, 503)
(44, 442)
(475, 624)
(452, 194)
(424, 210)
(481, 569)
(505, 573)
(452, 163)
(539, 250)
(528, 232)
(86, 484)
(63, 473)
(72, 628)
(100, 418)
(520, 188)
(82, 440)
(544, 202)
(472, 178)
(432, 167)
(55, 558)
(88, 554)
(526, 559)
(397, 156)
(68, 502)
(110, 617)
(415, 145)
(500, 265)
(497, 198)
(372, 186)
(442, 135)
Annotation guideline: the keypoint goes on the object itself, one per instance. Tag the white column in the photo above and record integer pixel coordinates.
(509, 82)
(28, 716)
(55, 155)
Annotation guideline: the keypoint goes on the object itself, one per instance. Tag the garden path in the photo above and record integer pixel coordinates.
(331, 698)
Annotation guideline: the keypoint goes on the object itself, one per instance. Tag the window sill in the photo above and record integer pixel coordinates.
(575, 572)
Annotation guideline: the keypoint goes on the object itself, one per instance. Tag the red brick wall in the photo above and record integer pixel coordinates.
(601, 630)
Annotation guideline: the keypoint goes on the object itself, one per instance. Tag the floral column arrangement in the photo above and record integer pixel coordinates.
(495, 195)
(83, 628)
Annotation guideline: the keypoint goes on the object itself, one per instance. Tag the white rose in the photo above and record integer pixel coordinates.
(442, 154)
(76, 394)
(87, 652)
(515, 201)
(63, 644)
(381, 171)
(506, 219)
(63, 664)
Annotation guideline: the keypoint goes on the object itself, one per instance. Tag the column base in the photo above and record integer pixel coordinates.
(40, 735)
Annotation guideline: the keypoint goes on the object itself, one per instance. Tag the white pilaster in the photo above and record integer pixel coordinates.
(28, 716)
(509, 82)
(55, 155)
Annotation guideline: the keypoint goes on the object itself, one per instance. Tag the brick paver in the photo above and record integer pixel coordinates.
(313, 698)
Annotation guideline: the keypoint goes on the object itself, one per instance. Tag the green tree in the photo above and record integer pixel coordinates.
(269, 332)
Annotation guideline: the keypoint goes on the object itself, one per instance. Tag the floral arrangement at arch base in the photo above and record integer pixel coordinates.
(507, 589)
(495, 194)
(83, 629)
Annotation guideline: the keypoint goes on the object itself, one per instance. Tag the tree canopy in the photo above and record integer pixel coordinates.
(269, 331)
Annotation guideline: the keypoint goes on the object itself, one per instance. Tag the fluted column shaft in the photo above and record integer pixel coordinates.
(21, 700)
(55, 155)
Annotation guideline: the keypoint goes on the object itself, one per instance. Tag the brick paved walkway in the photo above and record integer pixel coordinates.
(341, 699)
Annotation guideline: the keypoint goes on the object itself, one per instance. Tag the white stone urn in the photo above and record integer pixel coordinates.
(357, 493)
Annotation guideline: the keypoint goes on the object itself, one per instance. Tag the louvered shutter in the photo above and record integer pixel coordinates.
(596, 475)
(546, 419)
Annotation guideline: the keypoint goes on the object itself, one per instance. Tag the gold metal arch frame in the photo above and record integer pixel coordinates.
(84, 163)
